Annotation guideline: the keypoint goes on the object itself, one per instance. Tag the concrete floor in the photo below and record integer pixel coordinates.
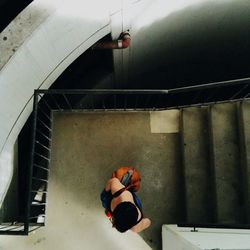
(86, 149)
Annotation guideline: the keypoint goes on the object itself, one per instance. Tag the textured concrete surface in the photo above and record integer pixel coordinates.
(196, 164)
(88, 147)
(226, 157)
(22, 27)
(244, 124)
(165, 121)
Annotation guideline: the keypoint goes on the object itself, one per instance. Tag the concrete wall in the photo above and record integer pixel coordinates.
(189, 41)
(175, 238)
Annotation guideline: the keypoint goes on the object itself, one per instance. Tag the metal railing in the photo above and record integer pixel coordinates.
(46, 101)
(124, 99)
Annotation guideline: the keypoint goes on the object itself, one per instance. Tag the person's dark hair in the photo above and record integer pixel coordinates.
(125, 216)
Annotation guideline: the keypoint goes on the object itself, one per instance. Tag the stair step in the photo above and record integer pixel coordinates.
(244, 123)
(194, 124)
(225, 158)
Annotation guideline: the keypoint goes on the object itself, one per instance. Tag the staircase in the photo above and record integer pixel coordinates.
(215, 143)
(201, 173)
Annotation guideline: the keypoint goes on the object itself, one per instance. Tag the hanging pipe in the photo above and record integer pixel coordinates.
(122, 43)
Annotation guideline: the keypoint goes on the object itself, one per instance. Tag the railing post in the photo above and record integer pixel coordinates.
(30, 169)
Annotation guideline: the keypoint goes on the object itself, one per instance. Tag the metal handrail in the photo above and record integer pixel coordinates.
(191, 87)
(211, 85)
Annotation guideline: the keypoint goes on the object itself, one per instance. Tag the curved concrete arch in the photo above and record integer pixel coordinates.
(57, 40)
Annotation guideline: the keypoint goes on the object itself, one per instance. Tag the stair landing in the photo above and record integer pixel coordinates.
(88, 147)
